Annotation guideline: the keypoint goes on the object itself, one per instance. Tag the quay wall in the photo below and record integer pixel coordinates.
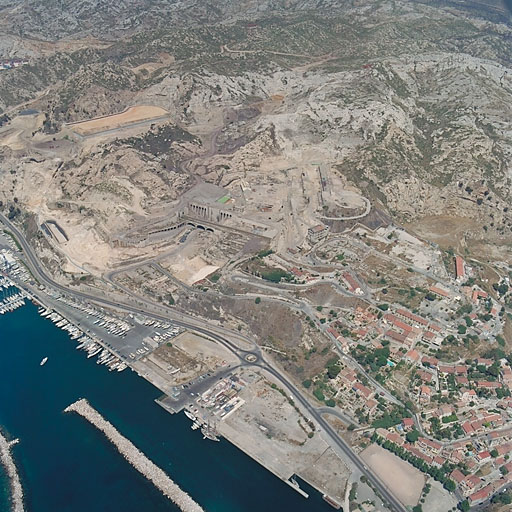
(8, 462)
(135, 457)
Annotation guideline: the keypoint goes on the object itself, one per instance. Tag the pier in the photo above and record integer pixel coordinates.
(135, 457)
(8, 463)
(10, 297)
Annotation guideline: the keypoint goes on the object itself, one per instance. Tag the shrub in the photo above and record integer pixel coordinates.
(412, 436)
(319, 395)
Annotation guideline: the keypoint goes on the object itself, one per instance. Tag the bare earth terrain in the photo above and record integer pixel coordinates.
(405, 481)
(129, 116)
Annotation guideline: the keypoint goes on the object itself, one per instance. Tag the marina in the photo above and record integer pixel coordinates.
(10, 297)
(58, 454)
(118, 340)
(92, 346)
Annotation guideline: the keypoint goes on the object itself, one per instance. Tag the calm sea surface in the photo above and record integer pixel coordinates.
(67, 465)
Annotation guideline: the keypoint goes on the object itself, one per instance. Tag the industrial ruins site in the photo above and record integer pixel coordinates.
(292, 218)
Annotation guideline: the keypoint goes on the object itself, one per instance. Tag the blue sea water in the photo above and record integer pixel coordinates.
(66, 465)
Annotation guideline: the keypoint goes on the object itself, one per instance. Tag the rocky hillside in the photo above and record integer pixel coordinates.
(409, 102)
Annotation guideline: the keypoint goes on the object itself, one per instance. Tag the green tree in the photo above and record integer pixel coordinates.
(319, 395)
(412, 436)
(449, 485)
(333, 371)
(464, 506)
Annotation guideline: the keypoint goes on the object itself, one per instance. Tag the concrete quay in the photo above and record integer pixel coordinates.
(135, 457)
(8, 462)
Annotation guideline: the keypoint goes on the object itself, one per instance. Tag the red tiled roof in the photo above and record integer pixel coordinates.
(396, 336)
(397, 322)
(412, 317)
(425, 390)
(482, 494)
(413, 355)
(439, 291)
(353, 284)
(432, 361)
(363, 389)
(467, 427)
(459, 267)
(457, 475)
(446, 369)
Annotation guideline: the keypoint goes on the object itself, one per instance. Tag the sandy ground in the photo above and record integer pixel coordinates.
(405, 481)
(203, 272)
(442, 229)
(439, 499)
(13, 141)
(189, 271)
(211, 353)
(15, 133)
(130, 115)
(416, 255)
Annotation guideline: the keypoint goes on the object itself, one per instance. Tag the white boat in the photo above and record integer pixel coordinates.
(189, 415)
(43, 361)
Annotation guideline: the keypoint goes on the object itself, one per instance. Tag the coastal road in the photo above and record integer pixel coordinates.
(252, 357)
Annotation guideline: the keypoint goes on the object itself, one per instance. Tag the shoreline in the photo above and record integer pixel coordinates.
(7, 461)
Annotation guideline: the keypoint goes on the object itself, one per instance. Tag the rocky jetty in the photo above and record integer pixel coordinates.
(8, 462)
(135, 457)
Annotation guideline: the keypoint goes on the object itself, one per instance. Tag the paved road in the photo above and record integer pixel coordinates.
(254, 353)
(337, 413)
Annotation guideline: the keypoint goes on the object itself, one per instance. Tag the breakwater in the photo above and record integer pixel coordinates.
(12, 473)
(135, 457)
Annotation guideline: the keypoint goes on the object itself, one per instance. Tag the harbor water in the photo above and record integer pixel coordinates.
(65, 464)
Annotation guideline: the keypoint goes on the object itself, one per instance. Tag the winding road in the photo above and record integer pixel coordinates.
(252, 357)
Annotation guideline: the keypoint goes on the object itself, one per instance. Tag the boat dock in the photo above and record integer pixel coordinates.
(135, 457)
(10, 297)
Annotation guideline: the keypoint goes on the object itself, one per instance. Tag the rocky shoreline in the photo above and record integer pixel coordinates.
(135, 457)
(8, 462)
